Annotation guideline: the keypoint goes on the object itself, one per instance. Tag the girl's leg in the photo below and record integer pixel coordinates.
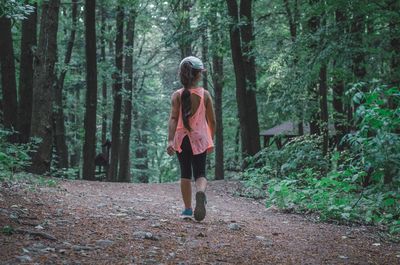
(186, 190)
(201, 184)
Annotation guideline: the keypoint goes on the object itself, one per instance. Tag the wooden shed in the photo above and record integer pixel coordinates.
(286, 131)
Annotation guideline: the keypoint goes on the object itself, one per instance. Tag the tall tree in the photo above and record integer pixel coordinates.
(89, 147)
(124, 174)
(46, 56)
(59, 117)
(185, 42)
(338, 86)
(217, 75)
(117, 87)
(104, 78)
(8, 82)
(28, 43)
(242, 41)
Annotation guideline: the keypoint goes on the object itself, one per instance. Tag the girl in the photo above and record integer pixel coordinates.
(190, 134)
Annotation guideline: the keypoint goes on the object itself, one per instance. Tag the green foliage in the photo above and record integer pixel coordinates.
(13, 157)
(349, 186)
(15, 9)
(377, 141)
(338, 197)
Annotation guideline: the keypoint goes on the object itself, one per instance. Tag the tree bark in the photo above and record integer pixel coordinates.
(218, 83)
(244, 65)
(186, 33)
(8, 82)
(313, 24)
(124, 174)
(323, 101)
(117, 86)
(59, 117)
(46, 56)
(104, 80)
(89, 146)
(339, 116)
(28, 43)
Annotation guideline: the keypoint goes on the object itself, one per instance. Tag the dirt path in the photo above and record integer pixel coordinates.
(115, 223)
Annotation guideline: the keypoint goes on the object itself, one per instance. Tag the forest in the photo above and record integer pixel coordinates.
(306, 97)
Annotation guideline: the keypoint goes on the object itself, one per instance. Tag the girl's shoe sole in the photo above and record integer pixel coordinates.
(200, 210)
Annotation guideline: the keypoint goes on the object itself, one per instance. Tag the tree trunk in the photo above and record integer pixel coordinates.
(141, 152)
(124, 174)
(59, 123)
(339, 117)
(116, 122)
(185, 41)
(8, 82)
(46, 56)
(104, 80)
(245, 76)
(248, 40)
(28, 43)
(89, 146)
(323, 100)
(218, 83)
(394, 78)
(313, 24)
(204, 47)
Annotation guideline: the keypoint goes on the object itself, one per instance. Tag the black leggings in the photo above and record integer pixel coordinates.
(187, 160)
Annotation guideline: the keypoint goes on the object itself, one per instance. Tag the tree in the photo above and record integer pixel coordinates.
(89, 147)
(242, 40)
(124, 174)
(28, 43)
(117, 87)
(59, 117)
(8, 82)
(44, 76)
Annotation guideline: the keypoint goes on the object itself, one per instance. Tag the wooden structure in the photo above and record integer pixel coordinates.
(282, 133)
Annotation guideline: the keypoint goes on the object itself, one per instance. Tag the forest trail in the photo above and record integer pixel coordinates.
(119, 223)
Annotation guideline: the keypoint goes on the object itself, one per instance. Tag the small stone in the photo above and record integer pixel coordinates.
(48, 249)
(121, 214)
(201, 234)
(25, 250)
(343, 257)
(156, 225)
(234, 226)
(24, 258)
(150, 236)
(104, 242)
(139, 234)
(81, 248)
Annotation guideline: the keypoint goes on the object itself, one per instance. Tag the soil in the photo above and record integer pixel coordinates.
(80, 222)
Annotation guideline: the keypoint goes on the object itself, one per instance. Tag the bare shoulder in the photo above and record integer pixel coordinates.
(175, 96)
(207, 96)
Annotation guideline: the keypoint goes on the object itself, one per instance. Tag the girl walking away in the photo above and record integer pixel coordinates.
(190, 134)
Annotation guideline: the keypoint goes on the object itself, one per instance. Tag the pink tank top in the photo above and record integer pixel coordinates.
(200, 135)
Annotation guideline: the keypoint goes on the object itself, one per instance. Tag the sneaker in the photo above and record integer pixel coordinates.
(187, 213)
(200, 210)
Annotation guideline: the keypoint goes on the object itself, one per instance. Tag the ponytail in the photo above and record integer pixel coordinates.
(187, 75)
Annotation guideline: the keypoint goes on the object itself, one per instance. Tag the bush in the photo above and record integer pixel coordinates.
(377, 142)
(13, 157)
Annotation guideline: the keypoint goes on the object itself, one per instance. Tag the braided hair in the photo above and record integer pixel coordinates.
(187, 75)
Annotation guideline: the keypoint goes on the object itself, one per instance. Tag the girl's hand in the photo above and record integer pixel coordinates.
(170, 148)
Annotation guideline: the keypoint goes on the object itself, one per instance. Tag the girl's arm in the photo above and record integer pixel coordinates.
(173, 122)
